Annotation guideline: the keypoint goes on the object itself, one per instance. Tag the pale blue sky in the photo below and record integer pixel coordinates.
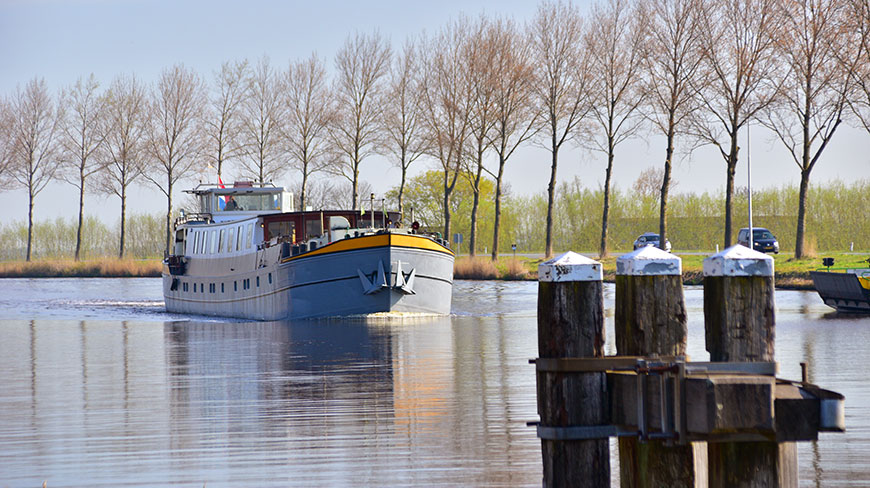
(62, 40)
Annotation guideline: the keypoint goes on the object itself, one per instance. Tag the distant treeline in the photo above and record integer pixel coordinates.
(837, 218)
(56, 238)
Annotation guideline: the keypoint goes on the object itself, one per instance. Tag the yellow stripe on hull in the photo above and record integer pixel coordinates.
(371, 241)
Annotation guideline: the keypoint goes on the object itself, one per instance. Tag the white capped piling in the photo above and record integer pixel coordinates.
(651, 321)
(740, 326)
(571, 325)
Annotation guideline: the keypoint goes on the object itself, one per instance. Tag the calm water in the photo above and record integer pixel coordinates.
(100, 387)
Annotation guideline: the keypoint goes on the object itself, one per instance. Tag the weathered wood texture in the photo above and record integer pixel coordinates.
(571, 324)
(740, 326)
(650, 316)
(739, 317)
(655, 465)
(753, 464)
(651, 320)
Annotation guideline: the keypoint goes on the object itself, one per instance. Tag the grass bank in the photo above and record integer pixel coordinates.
(790, 273)
(91, 268)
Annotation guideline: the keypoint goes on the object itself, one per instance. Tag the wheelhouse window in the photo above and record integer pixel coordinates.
(246, 202)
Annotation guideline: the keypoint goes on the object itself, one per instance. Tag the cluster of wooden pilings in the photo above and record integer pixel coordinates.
(726, 423)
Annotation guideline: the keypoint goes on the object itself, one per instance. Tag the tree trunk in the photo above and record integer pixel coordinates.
(355, 182)
(729, 188)
(29, 225)
(123, 219)
(304, 184)
(666, 183)
(602, 251)
(168, 216)
(551, 195)
(81, 219)
(497, 222)
(402, 194)
(802, 214)
(446, 206)
(475, 205)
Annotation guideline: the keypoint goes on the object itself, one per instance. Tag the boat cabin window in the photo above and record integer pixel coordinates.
(221, 240)
(281, 229)
(213, 242)
(248, 202)
(250, 238)
(313, 227)
(231, 240)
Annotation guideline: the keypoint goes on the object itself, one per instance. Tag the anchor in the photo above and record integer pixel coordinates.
(404, 284)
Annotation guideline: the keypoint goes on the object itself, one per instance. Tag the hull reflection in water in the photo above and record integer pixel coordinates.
(335, 402)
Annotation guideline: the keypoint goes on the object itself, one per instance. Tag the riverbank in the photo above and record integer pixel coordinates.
(90, 268)
(790, 273)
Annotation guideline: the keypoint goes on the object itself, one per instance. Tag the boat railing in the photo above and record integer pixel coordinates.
(203, 217)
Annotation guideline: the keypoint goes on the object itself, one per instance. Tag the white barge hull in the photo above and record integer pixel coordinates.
(362, 275)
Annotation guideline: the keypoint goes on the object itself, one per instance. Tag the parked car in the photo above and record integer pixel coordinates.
(762, 239)
(650, 239)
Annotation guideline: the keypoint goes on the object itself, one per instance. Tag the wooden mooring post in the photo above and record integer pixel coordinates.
(651, 321)
(661, 406)
(571, 325)
(740, 326)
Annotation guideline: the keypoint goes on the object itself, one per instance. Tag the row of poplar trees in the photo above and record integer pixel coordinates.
(466, 98)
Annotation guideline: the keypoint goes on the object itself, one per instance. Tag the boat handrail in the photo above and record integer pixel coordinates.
(204, 217)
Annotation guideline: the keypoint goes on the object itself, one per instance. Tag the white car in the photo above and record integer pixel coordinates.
(650, 239)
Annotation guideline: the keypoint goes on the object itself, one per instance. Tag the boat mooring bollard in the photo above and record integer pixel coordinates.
(740, 326)
(651, 321)
(571, 325)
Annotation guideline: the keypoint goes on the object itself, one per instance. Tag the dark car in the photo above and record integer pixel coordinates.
(762, 239)
(650, 239)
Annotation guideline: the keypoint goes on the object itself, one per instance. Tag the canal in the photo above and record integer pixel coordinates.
(100, 387)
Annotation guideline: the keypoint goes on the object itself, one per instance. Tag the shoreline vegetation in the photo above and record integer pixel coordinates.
(790, 273)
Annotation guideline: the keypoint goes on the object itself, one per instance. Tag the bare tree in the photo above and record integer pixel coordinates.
(672, 60)
(561, 84)
(859, 15)
(615, 44)
(310, 111)
(34, 160)
(81, 139)
(738, 80)
(447, 96)
(402, 120)
(7, 137)
(175, 139)
(125, 131)
(360, 66)
(264, 114)
(648, 182)
(514, 115)
(814, 41)
(222, 123)
(480, 52)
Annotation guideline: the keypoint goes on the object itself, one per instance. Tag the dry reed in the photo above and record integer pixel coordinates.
(515, 269)
(97, 268)
(474, 268)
